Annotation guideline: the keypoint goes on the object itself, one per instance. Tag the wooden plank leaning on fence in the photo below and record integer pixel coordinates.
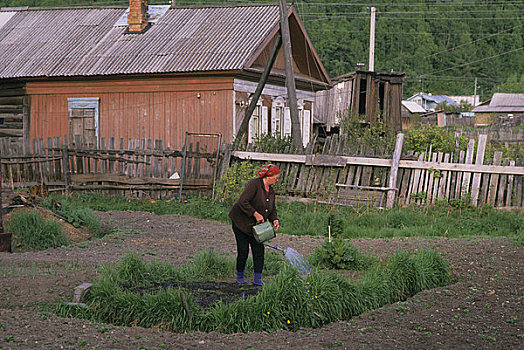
(467, 175)
(494, 180)
(392, 184)
(479, 160)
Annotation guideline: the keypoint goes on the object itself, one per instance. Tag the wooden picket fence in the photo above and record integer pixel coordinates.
(401, 179)
(144, 169)
(335, 171)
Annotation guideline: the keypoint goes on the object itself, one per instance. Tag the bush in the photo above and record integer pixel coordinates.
(340, 254)
(232, 184)
(421, 138)
(273, 144)
(32, 231)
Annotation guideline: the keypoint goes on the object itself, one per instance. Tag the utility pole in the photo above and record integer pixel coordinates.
(475, 94)
(290, 78)
(372, 41)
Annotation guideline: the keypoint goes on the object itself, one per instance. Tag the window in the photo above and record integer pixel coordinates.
(281, 120)
(258, 124)
(83, 121)
(277, 117)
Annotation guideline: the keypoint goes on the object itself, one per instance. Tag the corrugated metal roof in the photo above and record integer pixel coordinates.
(435, 98)
(502, 103)
(5, 16)
(85, 42)
(439, 99)
(504, 109)
(507, 100)
(413, 107)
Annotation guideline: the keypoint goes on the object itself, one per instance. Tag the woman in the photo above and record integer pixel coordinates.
(255, 205)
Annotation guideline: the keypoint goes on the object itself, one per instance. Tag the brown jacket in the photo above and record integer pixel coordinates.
(254, 198)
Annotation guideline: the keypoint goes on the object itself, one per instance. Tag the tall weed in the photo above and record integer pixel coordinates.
(287, 301)
(33, 232)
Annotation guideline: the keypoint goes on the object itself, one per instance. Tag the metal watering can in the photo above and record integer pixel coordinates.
(263, 233)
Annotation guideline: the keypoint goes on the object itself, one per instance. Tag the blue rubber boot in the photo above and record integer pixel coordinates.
(257, 281)
(240, 277)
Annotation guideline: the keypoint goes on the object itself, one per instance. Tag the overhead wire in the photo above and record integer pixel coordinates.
(476, 61)
(472, 42)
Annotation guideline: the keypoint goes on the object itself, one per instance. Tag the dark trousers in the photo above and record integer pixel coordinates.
(257, 249)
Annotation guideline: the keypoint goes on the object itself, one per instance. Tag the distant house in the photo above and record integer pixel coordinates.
(501, 109)
(411, 112)
(430, 102)
(372, 97)
(472, 100)
(149, 72)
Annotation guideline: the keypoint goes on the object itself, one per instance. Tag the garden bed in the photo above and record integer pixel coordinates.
(483, 309)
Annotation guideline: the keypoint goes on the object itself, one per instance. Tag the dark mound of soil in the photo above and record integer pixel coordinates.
(207, 294)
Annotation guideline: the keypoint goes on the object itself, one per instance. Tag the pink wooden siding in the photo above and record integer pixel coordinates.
(161, 109)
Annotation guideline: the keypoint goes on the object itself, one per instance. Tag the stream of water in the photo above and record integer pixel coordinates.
(297, 261)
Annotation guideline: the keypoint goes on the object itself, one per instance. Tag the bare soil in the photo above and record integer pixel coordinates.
(482, 309)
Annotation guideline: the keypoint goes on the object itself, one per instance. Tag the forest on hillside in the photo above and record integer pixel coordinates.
(442, 45)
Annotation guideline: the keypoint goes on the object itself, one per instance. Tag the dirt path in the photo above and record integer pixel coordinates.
(484, 309)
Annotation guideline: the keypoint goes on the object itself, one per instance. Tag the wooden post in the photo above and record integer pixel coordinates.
(290, 78)
(258, 91)
(390, 201)
(479, 160)
(25, 125)
(65, 167)
(1, 208)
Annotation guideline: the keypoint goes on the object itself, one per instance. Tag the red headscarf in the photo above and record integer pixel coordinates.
(268, 170)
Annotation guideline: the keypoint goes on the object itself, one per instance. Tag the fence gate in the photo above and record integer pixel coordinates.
(200, 158)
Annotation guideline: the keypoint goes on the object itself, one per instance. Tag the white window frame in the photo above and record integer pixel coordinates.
(257, 123)
(86, 102)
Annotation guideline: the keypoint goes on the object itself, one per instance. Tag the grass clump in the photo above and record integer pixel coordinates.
(518, 239)
(75, 214)
(33, 232)
(289, 300)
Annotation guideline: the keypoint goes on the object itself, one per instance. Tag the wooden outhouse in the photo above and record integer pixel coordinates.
(371, 97)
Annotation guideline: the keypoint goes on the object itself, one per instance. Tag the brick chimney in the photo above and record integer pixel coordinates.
(138, 17)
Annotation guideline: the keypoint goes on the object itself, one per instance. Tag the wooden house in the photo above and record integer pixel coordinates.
(432, 102)
(371, 97)
(502, 109)
(148, 72)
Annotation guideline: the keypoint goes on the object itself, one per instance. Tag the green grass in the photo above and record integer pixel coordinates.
(33, 232)
(287, 301)
(75, 213)
(353, 222)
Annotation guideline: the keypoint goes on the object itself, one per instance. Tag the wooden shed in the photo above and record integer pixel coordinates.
(148, 72)
(371, 96)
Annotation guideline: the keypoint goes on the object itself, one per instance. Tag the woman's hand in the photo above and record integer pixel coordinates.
(258, 217)
(276, 225)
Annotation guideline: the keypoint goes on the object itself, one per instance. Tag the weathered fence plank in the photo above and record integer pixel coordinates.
(479, 160)
(493, 181)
